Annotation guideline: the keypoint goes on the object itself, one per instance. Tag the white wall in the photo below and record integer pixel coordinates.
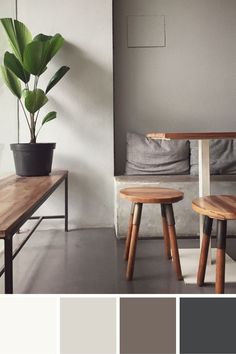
(84, 102)
(188, 85)
(8, 131)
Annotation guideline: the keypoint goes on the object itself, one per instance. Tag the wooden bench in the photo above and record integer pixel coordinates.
(20, 197)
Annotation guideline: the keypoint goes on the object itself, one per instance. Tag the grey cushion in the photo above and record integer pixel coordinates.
(146, 156)
(222, 157)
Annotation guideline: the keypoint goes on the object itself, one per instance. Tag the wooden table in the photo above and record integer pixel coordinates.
(20, 197)
(204, 171)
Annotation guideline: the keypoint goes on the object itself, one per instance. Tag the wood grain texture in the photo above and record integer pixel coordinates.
(21, 196)
(203, 260)
(192, 135)
(151, 195)
(175, 252)
(133, 242)
(128, 238)
(222, 207)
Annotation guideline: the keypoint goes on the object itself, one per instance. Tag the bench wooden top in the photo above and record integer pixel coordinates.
(151, 195)
(221, 207)
(20, 197)
(192, 135)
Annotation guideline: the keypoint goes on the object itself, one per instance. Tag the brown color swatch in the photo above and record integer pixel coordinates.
(147, 325)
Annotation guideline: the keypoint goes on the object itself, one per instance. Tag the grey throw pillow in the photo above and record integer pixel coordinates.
(222, 157)
(146, 156)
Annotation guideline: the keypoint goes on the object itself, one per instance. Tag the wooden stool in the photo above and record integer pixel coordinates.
(220, 208)
(164, 196)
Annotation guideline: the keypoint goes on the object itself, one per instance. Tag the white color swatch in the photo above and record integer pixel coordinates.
(28, 325)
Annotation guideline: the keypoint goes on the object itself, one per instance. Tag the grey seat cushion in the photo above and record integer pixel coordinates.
(222, 157)
(146, 156)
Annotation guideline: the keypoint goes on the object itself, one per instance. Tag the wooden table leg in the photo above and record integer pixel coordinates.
(134, 237)
(220, 256)
(8, 265)
(128, 238)
(165, 232)
(204, 250)
(173, 240)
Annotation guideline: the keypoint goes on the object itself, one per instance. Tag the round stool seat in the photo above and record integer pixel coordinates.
(151, 195)
(222, 207)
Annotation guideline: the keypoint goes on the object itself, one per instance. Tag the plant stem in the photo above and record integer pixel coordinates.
(38, 131)
(25, 114)
(32, 130)
(36, 82)
(37, 117)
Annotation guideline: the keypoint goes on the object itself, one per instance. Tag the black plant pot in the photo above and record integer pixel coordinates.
(33, 159)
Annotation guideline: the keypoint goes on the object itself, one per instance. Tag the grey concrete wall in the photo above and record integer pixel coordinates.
(190, 84)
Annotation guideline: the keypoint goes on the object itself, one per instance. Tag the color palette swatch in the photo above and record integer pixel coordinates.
(28, 325)
(117, 325)
(88, 326)
(207, 325)
(147, 325)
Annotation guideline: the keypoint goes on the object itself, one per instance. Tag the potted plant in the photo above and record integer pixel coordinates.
(21, 71)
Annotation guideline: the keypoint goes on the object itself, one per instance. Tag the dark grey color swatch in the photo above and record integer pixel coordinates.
(147, 325)
(207, 325)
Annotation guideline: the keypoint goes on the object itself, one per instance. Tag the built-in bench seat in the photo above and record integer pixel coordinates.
(187, 222)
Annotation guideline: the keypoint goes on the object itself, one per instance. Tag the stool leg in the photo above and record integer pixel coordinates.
(220, 256)
(165, 232)
(133, 242)
(173, 240)
(128, 238)
(204, 250)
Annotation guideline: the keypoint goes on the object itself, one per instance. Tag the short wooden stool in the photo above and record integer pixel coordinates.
(164, 196)
(220, 208)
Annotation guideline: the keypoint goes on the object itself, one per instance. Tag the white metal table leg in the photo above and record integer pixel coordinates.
(204, 178)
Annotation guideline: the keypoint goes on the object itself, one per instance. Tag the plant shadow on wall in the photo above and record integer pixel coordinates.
(21, 70)
(90, 94)
(89, 208)
(88, 108)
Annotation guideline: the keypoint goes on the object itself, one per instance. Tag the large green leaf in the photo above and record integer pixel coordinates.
(57, 42)
(50, 116)
(36, 57)
(12, 82)
(12, 63)
(42, 37)
(34, 100)
(57, 77)
(38, 53)
(18, 34)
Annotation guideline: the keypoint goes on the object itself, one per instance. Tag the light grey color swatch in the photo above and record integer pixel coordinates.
(146, 31)
(88, 326)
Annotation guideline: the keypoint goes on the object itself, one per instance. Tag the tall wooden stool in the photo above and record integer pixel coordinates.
(220, 208)
(150, 195)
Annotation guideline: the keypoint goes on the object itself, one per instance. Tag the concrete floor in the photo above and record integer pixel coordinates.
(91, 262)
